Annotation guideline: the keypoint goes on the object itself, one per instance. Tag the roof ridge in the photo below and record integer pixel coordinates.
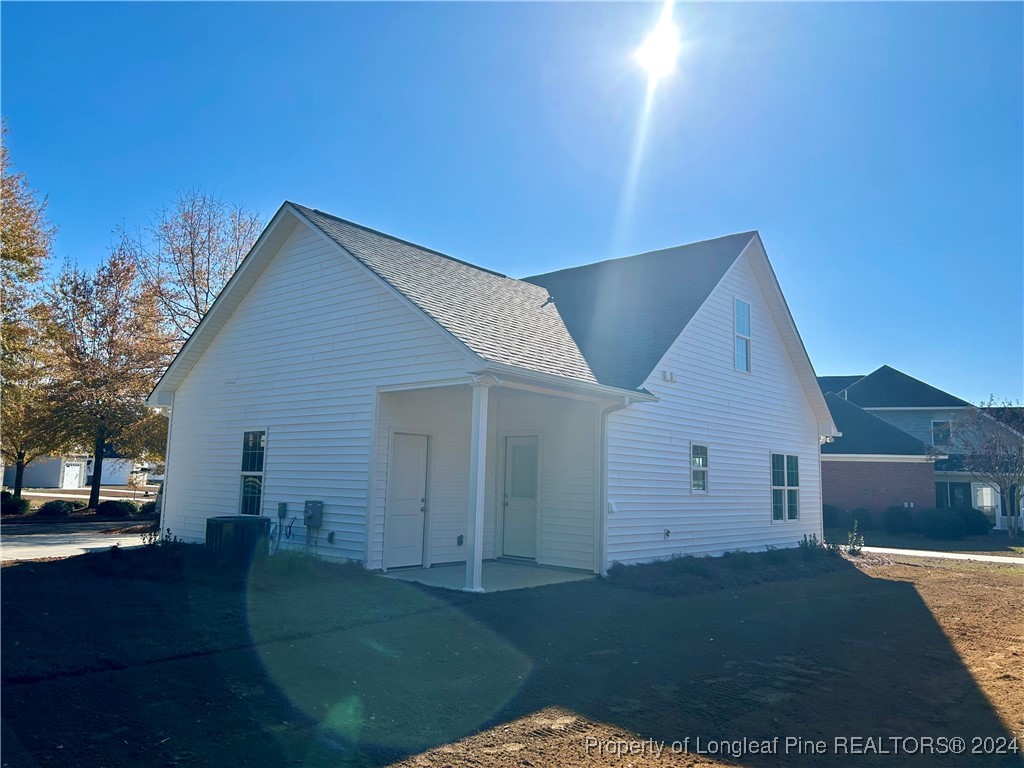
(410, 243)
(751, 233)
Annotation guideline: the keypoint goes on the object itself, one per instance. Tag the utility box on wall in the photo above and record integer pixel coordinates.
(313, 514)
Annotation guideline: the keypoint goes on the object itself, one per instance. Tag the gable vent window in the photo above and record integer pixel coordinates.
(785, 487)
(699, 468)
(742, 323)
(254, 449)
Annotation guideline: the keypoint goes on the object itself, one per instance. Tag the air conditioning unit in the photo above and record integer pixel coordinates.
(236, 537)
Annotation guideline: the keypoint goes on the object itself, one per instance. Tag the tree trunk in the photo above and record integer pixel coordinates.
(97, 465)
(19, 474)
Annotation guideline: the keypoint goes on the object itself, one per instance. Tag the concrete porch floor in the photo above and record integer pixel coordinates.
(497, 575)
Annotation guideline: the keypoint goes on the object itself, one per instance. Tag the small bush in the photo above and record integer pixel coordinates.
(855, 541)
(830, 515)
(149, 508)
(118, 508)
(897, 520)
(940, 524)
(975, 521)
(12, 506)
(861, 518)
(58, 509)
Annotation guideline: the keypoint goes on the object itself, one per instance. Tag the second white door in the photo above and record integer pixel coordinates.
(519, 531)
(406, 511)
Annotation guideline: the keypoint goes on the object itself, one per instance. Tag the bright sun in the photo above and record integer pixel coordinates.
(660, 50)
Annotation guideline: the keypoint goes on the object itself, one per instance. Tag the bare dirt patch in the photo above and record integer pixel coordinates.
(158, 657)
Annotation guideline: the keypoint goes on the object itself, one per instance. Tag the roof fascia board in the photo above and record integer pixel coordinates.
(870, 408)
(783, 318)
(877, 457)
(217, 315)
(472, 358)
(563, 382)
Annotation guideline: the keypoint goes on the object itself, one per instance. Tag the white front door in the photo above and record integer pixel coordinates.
(986, 498)
(519, 531)
(71, 476)
(406, 510)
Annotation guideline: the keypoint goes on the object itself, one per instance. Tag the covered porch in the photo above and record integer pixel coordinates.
(488, 484)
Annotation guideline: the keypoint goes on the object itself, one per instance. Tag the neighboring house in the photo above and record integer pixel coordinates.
(874, 465)
(117, 471)
(441, 412)
(51, 472)
(923, 412)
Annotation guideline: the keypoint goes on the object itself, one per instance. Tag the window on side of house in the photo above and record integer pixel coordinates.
(742, 329)
(254, 449)
(785, 487)
(699, 468)
(942, 433)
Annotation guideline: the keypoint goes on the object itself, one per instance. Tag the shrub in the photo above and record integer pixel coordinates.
(117, 508)
(975, 521)
(58, 509)
(830, 515)
(12, 506)
(897, 520)
(940, 524)
(861, 518)
(149, 508)
(854, 541)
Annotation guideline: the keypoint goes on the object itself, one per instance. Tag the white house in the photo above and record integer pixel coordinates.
(51, 472)
(441, 412)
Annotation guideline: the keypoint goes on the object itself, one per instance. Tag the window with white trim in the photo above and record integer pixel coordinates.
(699, 468)
(942, 434)
(254, 449)
(741, 322)
(785, 487)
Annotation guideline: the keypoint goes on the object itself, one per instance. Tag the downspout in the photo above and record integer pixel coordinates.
(602, 501)
(167, 466)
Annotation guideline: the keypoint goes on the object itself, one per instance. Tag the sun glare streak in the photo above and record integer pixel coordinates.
(657, 57)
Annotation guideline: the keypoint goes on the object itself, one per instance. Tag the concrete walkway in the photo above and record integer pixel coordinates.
(497, 576)
(35, 541)
(1004, 559)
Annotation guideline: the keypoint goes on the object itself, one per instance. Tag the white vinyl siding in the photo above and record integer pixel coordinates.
(741, 419)
(301, 356)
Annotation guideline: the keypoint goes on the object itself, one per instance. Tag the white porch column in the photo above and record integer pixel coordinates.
(477, 480)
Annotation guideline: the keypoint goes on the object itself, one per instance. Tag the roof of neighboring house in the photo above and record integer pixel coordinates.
(501, 319)
(889, 388)
(865, 433)
(837, 383)
(624, 314)
(608, 323)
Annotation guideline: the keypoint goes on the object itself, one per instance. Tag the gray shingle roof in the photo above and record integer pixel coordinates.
(501, 319)
(625, 313)
(889, 388)
(836, 383)
(865, 433)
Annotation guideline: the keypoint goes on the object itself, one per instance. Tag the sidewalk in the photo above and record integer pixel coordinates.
(1005, 560)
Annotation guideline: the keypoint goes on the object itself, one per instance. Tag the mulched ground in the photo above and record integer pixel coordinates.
(157, 657)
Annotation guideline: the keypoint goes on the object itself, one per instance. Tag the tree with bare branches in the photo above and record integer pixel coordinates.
(189, 252)
(106, 348)
(991, 437)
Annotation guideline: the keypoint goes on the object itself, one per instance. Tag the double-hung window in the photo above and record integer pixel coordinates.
(699, 468)
(254, 450)
(742, 327)
(942, 434)
(785, 487)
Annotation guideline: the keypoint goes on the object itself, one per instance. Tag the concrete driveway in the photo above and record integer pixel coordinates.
(34, 541)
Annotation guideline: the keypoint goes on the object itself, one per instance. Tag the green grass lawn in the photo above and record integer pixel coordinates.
(995, 543)
(158, 657)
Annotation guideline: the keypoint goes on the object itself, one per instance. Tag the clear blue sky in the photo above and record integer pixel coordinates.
(877, 147)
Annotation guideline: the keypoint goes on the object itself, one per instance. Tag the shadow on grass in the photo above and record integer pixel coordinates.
(123, 659)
